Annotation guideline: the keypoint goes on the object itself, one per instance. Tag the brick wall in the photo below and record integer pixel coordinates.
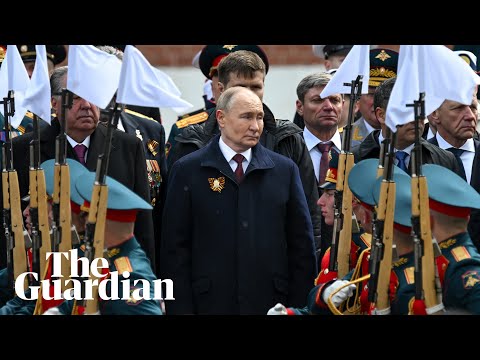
(182, 55)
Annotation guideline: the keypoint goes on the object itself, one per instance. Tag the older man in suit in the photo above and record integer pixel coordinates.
(85, 142)
(456, 127)
(238, 234)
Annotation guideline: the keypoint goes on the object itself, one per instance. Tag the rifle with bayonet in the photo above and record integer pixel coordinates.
(339, 260)
(62, 216)
(17, 239)
(95, 228)
(40, 230)
(428, 293)
(380, 265)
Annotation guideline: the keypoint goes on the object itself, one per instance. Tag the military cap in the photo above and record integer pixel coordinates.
(55, 53)
(122, 204)
(331, 175)
(469, 58)
(403, 199)
(449, 193)
(383, 65)
(362, 178)
(324, 51)
(212, 54)
(77, 171)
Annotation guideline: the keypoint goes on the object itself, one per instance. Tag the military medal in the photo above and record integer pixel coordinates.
(217, 184)
(152, 145)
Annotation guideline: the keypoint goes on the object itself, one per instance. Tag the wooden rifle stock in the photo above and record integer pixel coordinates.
(425, 267)
(39, 211)
(342, 226)
(16, 236)
(382, 247)
(97, 216)
(16, 249)
(385, 214)
(345, 164)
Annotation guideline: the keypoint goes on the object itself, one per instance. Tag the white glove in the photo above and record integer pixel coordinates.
(340, 296)
(52, 311)
(278, 309)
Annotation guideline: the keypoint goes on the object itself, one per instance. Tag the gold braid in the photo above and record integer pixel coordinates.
(355, 308)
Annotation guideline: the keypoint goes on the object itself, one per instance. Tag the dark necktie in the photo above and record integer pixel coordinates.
(239, 170)
(401, 156)
(458, 153)
(80, 150)
(324, 149)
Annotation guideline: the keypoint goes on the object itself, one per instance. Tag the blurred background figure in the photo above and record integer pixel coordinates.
(333, 54)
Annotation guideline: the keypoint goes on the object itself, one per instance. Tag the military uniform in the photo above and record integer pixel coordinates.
(194, 117)
(365, 187)
(16, 305)
(122, 207)
(459, 272)
(131, 258)
(152, 135)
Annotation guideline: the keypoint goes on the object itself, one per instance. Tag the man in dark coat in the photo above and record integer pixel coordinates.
(405, 138)
(127, 158)
(456, 127)
(246, 68)
(238, 236)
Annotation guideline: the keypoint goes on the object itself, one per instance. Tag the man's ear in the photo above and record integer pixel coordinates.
(299, 107)
(434, 117)
(221, 88)
(53, 102)
(220, 115)
(380, 115)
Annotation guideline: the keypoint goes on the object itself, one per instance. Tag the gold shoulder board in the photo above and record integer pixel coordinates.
(139, 115)
(194, 119)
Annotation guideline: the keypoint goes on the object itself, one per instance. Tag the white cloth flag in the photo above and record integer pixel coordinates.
(435, 70)
(14, 76)
(37, 96)
(356, 63)
(143, 85)
(93, 74)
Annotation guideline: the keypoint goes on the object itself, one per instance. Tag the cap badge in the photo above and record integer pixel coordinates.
(383, 56)
(229, 47)
(217, 184)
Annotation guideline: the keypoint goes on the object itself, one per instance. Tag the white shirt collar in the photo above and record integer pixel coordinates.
(443, 144)
(229, 153)
(311, 140)
(369, 127)
(73, 143)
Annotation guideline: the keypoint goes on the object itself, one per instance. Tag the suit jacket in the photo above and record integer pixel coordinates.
(236, 249)
(126, 165)
(474, 223)
(152, 135)
(431, 154)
